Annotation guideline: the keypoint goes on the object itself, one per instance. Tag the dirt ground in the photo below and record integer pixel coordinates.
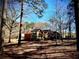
(41, 50)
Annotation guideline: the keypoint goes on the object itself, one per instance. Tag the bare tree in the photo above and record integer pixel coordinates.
(11, 17)
(4, 4)
(37, 6)
(59, 15)
(54, 22)
(71, 16)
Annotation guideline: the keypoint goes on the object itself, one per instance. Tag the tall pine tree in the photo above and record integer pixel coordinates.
(76, 7)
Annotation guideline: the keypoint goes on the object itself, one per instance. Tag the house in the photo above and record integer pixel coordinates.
(38, 34)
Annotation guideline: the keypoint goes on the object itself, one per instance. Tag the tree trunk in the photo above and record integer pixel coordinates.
(10, 36)
(60, 30)
(4, 3)
(76, 2)
(19, 40)
(69, 34)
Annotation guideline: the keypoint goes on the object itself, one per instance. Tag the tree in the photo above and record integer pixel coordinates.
(34, 4)
(76, 10)
(4, 4)
(71, 16)
(29, 25)
(19, 40)
(59, 16)
(37, 6)
(11, 18)
(54, 23)
(76, 7)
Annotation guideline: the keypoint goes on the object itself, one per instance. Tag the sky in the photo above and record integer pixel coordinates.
(48, 13)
